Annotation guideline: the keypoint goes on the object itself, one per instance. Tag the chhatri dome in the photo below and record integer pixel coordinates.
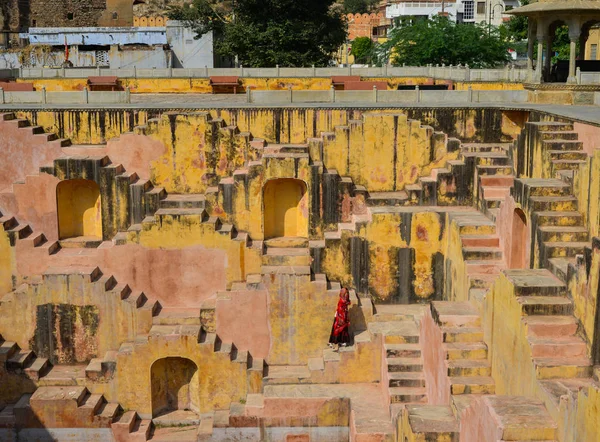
(545, 16)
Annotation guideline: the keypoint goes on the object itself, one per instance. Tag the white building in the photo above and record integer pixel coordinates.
(462, 11)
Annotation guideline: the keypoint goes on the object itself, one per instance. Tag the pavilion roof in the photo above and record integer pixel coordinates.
(557, 6)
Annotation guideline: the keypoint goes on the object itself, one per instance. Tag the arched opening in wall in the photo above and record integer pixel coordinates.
(175, 386)
(285, 205)
(79, 209)
(518, 248)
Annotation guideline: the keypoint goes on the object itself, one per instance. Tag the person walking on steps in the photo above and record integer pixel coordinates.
(340, 335)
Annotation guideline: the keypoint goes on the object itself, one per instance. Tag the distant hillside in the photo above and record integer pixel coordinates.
(153, 8)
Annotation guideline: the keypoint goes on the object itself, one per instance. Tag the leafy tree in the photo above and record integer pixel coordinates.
(362, 49)
(359, 6)
(203, 16)
(418, 42)
(265, 33)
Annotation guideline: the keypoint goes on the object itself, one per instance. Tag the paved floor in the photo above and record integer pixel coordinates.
(585, 114)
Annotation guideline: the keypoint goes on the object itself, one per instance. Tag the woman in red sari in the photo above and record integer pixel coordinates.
(341, 322)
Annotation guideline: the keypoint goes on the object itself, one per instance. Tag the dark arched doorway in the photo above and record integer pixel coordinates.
(175, 385)
(518, 244)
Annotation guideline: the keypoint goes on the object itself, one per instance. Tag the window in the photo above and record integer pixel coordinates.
(468, 13)
(33, 23)
(480, 8)
(115, 16)
(69, 16)
(102, 58)
(594, 52)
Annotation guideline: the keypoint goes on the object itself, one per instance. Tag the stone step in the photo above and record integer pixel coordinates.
(560, 347)
(481, 253)
(545, 305)
(485, 147)
(406, 379)
(563, 233)
(551, 326)
(429, 423)
(466, 350)
(555, 135)
(402, 395)
(109, 411)
(480, 240)
(455, 314)
(544, 187)
(495, 170)
(286, 257)
(554, 203)
(468, 367)
(37, 369)
(472, 385)
(185, 201)
(403, 350)
(493, 203)
(535, 282)
(562, 145)
(550, 218)
(92, 403)
(519, 418)
(7, 417)
(484, 267)
(395, 365)
(287, 374)
(285, 270)
(7, 350)
(387, 198)
(396, 332)
(20, 360)
(556, 368)
(461, 334)
(554, 126)
(578, 155)
(567, 164)
(560, 267)
(564, 249)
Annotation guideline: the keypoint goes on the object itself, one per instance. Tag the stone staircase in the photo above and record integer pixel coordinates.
(480, 418)
(557, 350)
(481, 251)
(403, 370)
(560, 231)
(15, 360)
(467, 361)
(58, 407)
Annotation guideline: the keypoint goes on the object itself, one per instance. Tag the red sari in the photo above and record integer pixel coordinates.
(341, 323)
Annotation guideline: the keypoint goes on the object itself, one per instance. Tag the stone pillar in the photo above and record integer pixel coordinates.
(574, 34)
(530, 43)
(548, 59)
(540, 56)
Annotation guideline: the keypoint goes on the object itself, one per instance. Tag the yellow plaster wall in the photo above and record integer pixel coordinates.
(178, 232)
(119, 320)
(7, 263)
(86, 127)
(300, 318)
(211, 392)
(456, 271)
(488, 86)
(79, 211)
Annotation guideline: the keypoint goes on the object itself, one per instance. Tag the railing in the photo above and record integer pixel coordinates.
(82, 97)
(405, 97)
(456, 73)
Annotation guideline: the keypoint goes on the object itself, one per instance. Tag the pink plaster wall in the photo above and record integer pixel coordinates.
(22, 153)
(477, 423)
(434, 362)
(134, 152)
(243, 318)
(177, 278)
(504, 228)
(34, 202)
(590, 135)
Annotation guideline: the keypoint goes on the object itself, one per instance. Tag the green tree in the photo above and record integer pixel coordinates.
(265, 33)
(359, 6)
(418, 42)
(362, 49)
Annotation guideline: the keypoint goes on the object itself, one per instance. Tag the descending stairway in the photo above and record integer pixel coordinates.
(467, 361)
(560, 231)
